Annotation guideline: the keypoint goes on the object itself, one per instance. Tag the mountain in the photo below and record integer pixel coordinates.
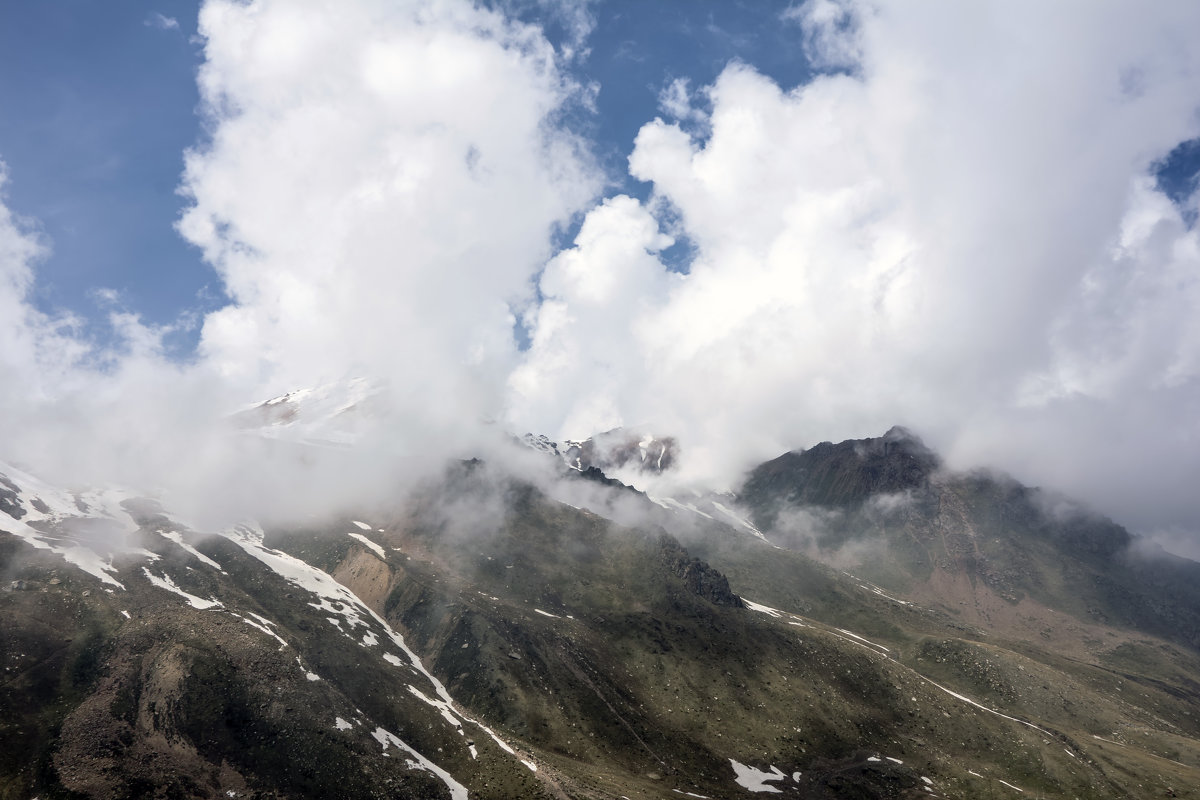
(613, 451)
(857, 622)
(978, 540)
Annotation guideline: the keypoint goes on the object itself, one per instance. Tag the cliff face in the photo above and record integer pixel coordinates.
(842, 476)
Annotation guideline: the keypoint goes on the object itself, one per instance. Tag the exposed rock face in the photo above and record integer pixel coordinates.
(699, 578)
(9, 492)
(841, 475)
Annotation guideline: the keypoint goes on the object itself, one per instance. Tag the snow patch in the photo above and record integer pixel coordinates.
(341, 724)
(385, 738)
(262, 626)
(177, 538)
(861, 639)
(165, 582)
(755, 780)
(733, 515)
(376, 549)
(771, 612)
(362, 525)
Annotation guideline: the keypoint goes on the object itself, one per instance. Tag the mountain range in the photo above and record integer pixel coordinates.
(854, 621)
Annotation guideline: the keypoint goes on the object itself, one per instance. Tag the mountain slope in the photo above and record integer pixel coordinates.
(480, 635)
(977, 543)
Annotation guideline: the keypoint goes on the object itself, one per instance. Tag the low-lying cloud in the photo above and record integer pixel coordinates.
(953, 226)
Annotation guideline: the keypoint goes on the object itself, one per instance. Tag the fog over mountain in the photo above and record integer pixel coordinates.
(954, 224)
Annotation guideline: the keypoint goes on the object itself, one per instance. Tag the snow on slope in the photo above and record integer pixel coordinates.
(336, 599)
(334, 414)
(88, 529)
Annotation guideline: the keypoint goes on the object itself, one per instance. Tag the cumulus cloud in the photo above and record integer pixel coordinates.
(378, 185)
(960, 233)
(952, 225)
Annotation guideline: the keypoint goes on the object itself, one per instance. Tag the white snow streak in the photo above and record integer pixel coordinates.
(165, 582)
(385, 737)
(177, 538)
(374, 547)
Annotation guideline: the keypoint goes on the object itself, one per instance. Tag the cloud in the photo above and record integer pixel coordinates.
(831, 32)
(953, 226)
(959, 232)
(377, 187)
(162, 22)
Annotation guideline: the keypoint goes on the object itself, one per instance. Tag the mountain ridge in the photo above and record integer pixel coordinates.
(490, 635)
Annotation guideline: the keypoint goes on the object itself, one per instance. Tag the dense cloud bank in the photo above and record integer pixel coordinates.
(953, 225)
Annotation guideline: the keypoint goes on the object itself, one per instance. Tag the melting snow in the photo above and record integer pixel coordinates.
(546, 613)
(898, 761)
(753, 606)
(684, 507)
(341, 724)
(262, 626)
(177, 538)
(165, 582)
(374, 547)
(364, 526)
(691, 794)
(337, 599)
(733, 515)
(457, 790)
(1009, 785)
(861, 639)
(79, 523)
(755, 780)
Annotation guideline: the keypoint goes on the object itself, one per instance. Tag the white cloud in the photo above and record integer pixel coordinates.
(957, 232)
(960, 236)
(380, 188)
(381, 185)
(161, 21)
(831, 31)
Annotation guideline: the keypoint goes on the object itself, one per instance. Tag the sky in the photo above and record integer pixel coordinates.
(754, 226)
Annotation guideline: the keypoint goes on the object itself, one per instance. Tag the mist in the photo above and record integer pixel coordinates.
(953, 225)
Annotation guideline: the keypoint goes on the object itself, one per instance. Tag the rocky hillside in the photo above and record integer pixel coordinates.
(483, 636)
(976, 543)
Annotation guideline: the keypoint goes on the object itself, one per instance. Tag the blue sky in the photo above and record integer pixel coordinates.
(98, 108)
(99, 102)
(758, 225)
